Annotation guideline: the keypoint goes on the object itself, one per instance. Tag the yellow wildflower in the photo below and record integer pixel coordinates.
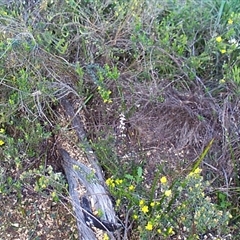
(135, 216)
(197, 171)
(223, 51)
(152, 204)
(1, 142)
(131, 188)
(76, 167)
(107, 100)
(145, 209)
(54, 194)
(163, 180)
(110, 182)
(230, 21)
(219, 39)
(149, 226)
(191, 174)
(222, 81)
(118, 202)
(141, 203)
(2, 130)
(168, 193)
(105, 237)
(170, 231)
(118, 181)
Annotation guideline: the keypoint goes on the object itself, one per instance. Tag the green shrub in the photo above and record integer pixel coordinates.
(182, 208)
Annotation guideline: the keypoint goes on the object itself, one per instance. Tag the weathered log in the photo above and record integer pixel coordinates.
(86, 181)
(78, 127)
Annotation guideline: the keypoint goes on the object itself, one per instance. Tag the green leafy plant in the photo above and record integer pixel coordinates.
(180, 207)
(104, 75)
(47, 181)
(223, 201)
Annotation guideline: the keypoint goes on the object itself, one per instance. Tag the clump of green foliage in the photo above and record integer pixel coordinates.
(180, 208)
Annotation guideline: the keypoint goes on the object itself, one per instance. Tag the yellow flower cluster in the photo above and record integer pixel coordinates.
(143, 206)
(110, 182)
(221, 45)
(168, 192)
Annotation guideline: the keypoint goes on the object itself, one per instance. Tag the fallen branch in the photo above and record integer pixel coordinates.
(87, 182)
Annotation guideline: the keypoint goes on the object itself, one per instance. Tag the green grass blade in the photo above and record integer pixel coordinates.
(202, 156)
